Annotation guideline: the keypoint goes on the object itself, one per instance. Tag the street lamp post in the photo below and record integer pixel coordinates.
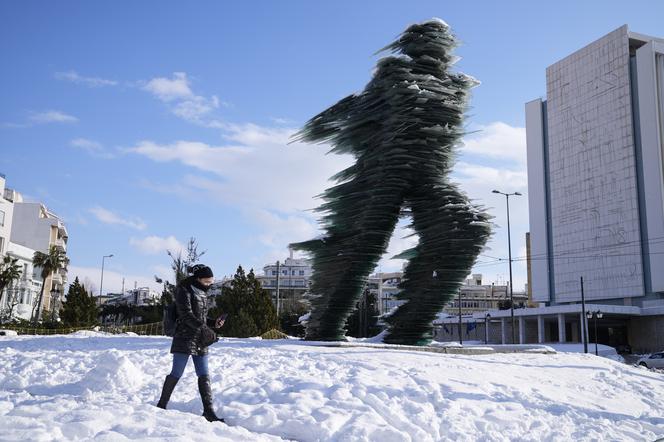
(101, 283)
(487, 318)
(509, 251)
(595, 316)
(54, 299)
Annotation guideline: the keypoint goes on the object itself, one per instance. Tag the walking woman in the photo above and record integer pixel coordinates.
(192, 337)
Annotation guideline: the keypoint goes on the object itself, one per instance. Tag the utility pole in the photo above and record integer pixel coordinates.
(278, 273)
(101, 282)
(584, 332)
(460, 338)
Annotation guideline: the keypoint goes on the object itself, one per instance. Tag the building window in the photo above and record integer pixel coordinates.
(274, 272)
(301, 272)
(2, 218)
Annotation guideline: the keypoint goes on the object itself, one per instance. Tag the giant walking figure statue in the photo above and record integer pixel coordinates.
(403, 130)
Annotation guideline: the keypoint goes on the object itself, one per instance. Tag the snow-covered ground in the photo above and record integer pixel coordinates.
(92, 386)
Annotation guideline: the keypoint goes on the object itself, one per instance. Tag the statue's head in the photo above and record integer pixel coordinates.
(430, 38)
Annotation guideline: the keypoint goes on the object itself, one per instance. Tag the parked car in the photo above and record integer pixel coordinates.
(655, 360)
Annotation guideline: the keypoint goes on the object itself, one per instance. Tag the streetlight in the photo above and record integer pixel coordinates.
(101, 283)
(595, 315)
(487, 318)
(509, 251)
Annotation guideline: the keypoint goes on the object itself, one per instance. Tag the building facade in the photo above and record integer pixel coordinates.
(596, 186)
(292, 277)
(37, 228)
(24, 229)
(139, 296)
(476, 297)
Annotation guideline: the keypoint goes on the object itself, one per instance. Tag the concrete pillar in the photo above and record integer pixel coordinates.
(540, 329)
(522, 330)
(561, 328)
(503, 332)
(487, 333)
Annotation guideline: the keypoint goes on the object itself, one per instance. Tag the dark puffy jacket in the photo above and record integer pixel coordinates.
(192, 308)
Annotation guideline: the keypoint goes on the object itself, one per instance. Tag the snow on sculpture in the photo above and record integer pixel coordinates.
(403, 130)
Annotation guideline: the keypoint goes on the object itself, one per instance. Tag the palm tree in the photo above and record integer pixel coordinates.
(10, 271)
(49, 263)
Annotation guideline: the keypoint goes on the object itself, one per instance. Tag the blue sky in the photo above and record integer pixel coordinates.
(145, 123)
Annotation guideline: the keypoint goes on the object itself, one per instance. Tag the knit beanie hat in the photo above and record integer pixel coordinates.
(202, 271)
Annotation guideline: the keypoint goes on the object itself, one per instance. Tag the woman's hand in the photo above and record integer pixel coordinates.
(220, 320)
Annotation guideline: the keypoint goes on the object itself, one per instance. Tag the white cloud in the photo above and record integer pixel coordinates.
(52, 116)
(92, 147)
(183, 102)
(258, 169)
(74, 77)
(112, 279)
(108, 217)
(498, 140)
(169, 89)
(153, 245)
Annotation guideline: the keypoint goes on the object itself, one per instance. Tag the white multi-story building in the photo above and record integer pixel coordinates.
(292, 276)
(6, 215)
(596, 190)
(18, 298)
(139, 296)
(385, 287)
(477, 297)
(24, 229)
(37, 228)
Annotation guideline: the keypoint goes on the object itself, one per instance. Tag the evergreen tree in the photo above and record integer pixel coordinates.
(249, 308)
(80, 307)
(289, 319)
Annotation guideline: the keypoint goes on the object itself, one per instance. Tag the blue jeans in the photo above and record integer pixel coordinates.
(180, 362)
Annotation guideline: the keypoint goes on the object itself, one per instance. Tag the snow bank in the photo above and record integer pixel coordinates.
(104, 387)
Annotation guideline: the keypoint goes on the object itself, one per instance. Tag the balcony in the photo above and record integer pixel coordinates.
(61, 244)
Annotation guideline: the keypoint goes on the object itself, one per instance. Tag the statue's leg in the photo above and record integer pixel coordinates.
(359, 230)
(452, 232)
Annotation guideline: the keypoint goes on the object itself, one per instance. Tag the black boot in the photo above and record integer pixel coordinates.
(169, 385)
(206, 396)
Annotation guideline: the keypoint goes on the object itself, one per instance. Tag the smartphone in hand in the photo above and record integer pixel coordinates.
(220, 320)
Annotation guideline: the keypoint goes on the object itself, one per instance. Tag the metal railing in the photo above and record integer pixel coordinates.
(153, 329)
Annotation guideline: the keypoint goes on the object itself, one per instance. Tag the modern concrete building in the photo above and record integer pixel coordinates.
(596, 191)
(596, 202)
